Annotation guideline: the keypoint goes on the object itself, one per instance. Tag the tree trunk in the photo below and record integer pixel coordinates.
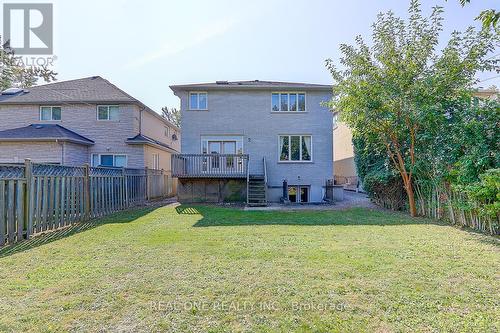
(411, 199)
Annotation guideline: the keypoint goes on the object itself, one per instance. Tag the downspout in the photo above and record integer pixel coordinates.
(140, 119)
(141, 109)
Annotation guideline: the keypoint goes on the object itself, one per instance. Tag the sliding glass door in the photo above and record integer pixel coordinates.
(221, 147)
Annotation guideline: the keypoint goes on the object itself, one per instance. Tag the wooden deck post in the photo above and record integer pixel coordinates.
(30, 196)
(86, 190)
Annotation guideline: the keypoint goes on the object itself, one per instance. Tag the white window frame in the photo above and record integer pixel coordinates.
(335, 120)
(290, 147)
(197, 108)
(156, 161)
(114, 159)
(288, 99)
(298, 192)
(240, 149)
(51, 112)
(108, 106)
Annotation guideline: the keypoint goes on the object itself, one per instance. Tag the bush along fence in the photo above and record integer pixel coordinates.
(36, 198)
(475, 206)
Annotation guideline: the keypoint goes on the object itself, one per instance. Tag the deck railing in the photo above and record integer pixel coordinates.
(209, 165)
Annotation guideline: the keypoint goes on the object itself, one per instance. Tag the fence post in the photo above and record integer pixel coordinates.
(125, 181)
(29, 199)
(164, 184)
(147, 182)
(86, 195)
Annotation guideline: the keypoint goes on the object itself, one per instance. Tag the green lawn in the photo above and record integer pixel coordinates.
(211, 269)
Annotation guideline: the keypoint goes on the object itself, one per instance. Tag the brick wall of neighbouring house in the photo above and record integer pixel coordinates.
(75, 155)
(109, 136)
(39, 152)
(211, 190)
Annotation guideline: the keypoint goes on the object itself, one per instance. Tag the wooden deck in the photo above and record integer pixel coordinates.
(210, 165)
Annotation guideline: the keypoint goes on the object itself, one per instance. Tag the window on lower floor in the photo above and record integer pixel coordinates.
(156, 161)
(295, 148)
(109, 160)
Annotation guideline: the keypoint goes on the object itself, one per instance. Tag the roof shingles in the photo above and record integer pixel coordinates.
(43, 132)
(90, 89)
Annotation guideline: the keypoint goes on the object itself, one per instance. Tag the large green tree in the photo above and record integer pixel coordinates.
(396, 91)
(13, 73)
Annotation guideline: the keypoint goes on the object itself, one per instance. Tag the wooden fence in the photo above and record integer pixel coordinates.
(35, 198)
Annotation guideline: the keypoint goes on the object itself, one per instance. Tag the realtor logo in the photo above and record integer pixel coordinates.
(27, 27)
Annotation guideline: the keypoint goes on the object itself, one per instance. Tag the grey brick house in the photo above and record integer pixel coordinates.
(242, 140)
(87, 120)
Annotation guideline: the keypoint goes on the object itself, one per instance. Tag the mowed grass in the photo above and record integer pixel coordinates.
(213, 269)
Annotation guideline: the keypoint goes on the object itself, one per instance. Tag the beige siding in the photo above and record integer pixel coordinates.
(342, 143)
(164, 157)
(40, 152)
(343, 151)
(345, 167)
(155, 129)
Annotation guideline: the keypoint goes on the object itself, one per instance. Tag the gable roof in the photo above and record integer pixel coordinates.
(89, 89)
(255, 84)
(43, 132)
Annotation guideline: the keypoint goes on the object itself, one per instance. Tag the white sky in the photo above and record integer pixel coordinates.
(145, 46)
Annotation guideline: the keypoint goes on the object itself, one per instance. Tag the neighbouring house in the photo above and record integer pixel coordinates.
(87, 120)
(345, 172)
(343, 156)
(242, 140)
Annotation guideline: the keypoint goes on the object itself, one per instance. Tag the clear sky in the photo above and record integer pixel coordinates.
(145, 46)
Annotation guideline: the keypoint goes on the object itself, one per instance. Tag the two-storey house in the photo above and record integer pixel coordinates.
(254, 140)
(87, 120)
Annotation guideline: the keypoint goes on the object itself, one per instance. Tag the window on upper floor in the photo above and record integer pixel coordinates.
(288, 102)
(109, 160)
(335, 120)
(197, 101)
(51, 113)
(107, 112)
(295, 148)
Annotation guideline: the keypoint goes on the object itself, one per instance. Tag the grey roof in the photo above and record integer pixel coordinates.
(255, 84)
(143, 139)
(90, 89)
(43, 132)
